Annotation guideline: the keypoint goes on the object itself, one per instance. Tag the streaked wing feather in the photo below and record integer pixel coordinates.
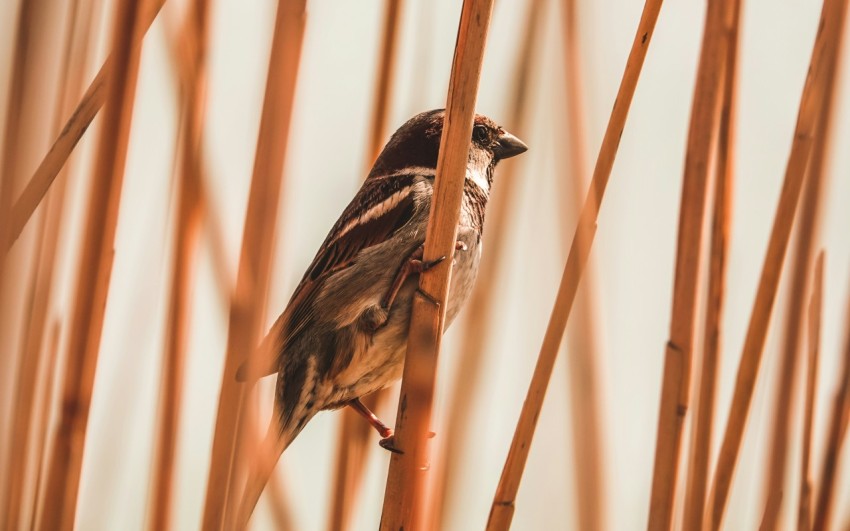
(380, 208)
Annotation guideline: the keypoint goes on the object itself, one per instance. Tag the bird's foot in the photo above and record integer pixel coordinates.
(414, 265)
(388, 442)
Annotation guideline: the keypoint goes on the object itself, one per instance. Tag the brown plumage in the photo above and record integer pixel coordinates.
(343, 334)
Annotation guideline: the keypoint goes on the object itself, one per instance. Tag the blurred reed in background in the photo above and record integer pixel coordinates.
(68, 216)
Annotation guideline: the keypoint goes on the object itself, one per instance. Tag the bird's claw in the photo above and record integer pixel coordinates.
(427, 297)
(388, 443)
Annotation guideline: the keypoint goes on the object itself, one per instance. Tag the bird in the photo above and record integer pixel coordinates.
(343, 334)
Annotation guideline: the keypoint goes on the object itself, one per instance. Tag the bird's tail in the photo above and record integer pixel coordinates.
(260, 469)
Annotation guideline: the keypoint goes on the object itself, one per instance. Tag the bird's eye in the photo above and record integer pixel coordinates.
(479, 133)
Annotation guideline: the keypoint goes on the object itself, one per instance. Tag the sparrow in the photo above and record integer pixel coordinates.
(343, 334)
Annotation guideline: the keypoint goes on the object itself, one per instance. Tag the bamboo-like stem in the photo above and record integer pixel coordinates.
(839, 419)
(814, 314)
(583, 341)
(678, 358)
(502, 509)
(93, 277)
(405, 491)
(31, 359)
(806, 234)
(195, 29)
(355, 436)
(91, 102)
(256, 257)
(703, 428)
(481, 303)
(822, 64)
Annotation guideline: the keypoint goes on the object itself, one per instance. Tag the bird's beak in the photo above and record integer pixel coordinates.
(509, 146)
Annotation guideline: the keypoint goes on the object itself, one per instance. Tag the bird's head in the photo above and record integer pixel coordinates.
(417, 143)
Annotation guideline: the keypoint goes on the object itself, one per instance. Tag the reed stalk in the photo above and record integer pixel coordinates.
(678, 358)
(14, 107)
(501, 512)
(79, 121)
(355, 436)
(583, 339)
(814, 314)
(822, 64)
(806, 234)
(478, 322)
(32, 356)
(405, 491)
(724, 168)
(255, 259)
(187, 231)
(839, 419)
(92, 284)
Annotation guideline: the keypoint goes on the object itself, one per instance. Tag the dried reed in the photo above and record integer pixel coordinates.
(479, 308)
(814, 314)
(703, 428)
(43, 416)
(187, 229)
(583, 343)
(91, 102)
(838, 422)
(403, 500)
(502, 509)
(678, 358)
(355, 436)
(14, 106)
(256, 256)
(806, 234)
(822, 63)
(93, 277)
(386, 71)
(31, 358)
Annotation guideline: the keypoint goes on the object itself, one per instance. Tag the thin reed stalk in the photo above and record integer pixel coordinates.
(386, 70)
(31, 359)
(806, 234)
(822, 64)
(280, 510)
(703, 428)
(187, 231)
(257, 242)
(14, 107)
(45, 390)
(479, 308)
(836, 435)
(351, 452)
(92, 284)
(91, 102)
(814, 315)
(678, 358)
(355, 436)
(583, 341)
(405, 491)
(502, 509)
(182, 54)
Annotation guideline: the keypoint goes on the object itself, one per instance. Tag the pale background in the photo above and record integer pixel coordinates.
(635, 244)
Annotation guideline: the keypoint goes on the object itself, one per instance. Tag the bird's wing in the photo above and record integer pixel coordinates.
(380, 208)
